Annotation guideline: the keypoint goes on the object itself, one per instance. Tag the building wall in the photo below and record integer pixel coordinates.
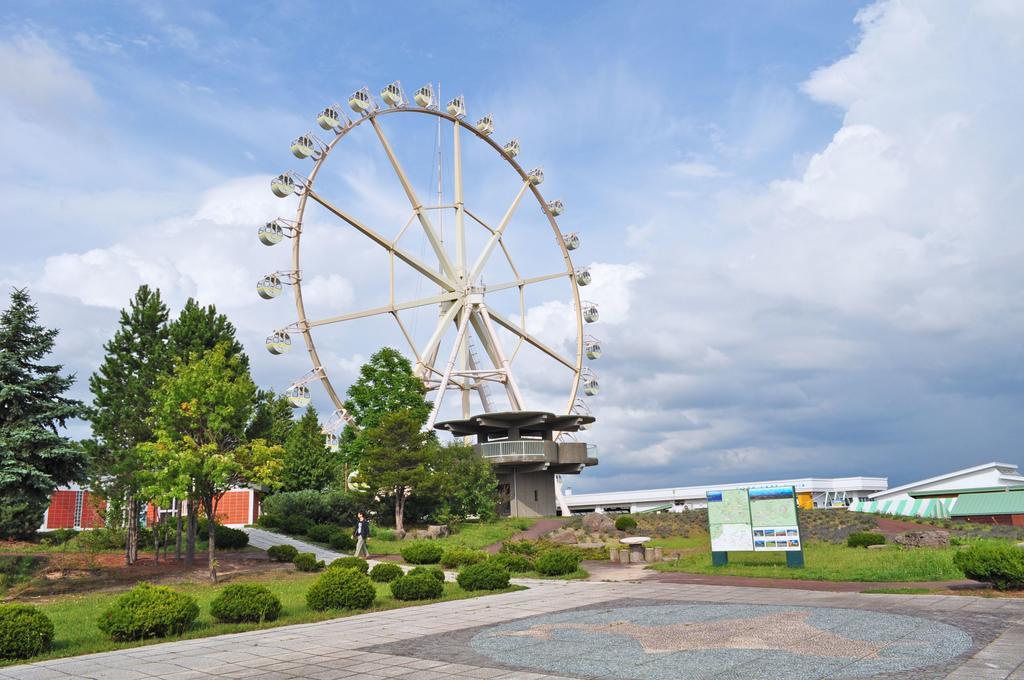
(76, 508)
(973, 480)
(1008, 520)
(235, 506)
(61, 514)
(532, 493)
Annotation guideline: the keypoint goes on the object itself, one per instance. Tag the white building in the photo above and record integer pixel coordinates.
(811, 492)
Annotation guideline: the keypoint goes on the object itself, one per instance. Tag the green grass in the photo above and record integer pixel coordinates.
(74, 618)
(476, 535)
(580, 574)
(896, 591)
(679, 542)
(830, 562)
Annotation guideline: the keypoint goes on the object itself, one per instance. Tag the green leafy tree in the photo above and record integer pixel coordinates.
(308, 462)
(461, 484)
(272, 419)
(201, 414)
(122, 410)
(196, 331)
(385, 385)
(34, 458)
(396, 458)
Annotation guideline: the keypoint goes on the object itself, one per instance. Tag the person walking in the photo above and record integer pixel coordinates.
(362, 535)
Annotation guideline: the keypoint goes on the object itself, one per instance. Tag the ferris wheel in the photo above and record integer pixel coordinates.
(467, 314)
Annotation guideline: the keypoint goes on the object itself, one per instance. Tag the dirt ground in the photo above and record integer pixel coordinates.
(76, 573)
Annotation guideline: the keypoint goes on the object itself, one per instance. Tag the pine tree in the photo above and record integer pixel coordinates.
(272, 419)
(308, 462)
(397, 458)
(199, 329)
(34, 458)
(123, 397)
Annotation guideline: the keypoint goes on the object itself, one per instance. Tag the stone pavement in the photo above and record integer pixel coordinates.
(263, 539)
(606, 630)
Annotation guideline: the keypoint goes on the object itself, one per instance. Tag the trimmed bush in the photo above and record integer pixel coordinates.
(295, 525)
(995, 562)
(625, 523)
(316, 507)
(483, 576)
(282, 553)
(342, 539)
(245, 602)
(422, 552)
(307, 562)
(268, 521)
(516, 564)
(357, 563)
(557, 562)
(102, 539)
(386, 572)
(57, 536)
(148, 611)
(862, 539)
(416, 587)
(229, 538)
(341, 589)
(382, 534)
(458, 556)
(24, 631)
(433, 571)
(321, 533)
(523, 547)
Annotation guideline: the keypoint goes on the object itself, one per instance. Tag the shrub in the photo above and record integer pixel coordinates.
(230, 538)
(523, 547)
(245, 602)
(862, 539)
(422, 552)
(282, 553)
(341, 589)
(458, 556)
(24, 631)
(483, 576)
(517, 564)
(148, 611)
(558, 562)
(357, 563)
(385, 572)
(307, 562)
(434, 572)
(382, 534)
(57, 536)
(102, 539)
(995, 562)
(342, 540)
(321, 533)
(316, 507)
(416, 587)
(296, 525)
(268, 521)
(625, 523)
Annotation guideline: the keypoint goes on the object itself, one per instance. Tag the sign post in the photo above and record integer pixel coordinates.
(758, 520)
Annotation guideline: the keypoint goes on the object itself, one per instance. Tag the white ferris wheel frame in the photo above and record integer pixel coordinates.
(456, 280)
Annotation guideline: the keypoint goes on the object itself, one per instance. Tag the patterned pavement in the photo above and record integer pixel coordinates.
(607, 631)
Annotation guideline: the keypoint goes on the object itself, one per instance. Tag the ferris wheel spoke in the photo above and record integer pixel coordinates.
(496, 234)
(387, 309)
(536, 342)
(410, 259)
(525, 282)
(430, 351)
(417, 207)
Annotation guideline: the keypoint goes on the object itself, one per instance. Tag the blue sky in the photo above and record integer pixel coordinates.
(801, 216)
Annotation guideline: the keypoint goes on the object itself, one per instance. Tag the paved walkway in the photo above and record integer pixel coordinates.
(263, 539)
(606, 630)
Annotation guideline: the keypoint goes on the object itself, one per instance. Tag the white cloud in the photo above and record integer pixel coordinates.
(40, 84)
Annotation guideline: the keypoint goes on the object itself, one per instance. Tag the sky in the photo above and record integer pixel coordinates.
(802, 218)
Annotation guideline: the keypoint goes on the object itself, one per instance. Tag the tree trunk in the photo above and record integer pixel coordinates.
(131, 547)
(211, 512)
(177, 535)
(128, 533)
(190, 539)
(157, 527)
(399, 509)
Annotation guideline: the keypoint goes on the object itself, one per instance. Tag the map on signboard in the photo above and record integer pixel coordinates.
(772, 506)
(729, 520)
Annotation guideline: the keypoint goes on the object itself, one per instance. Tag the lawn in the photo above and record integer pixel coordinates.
(830, 562)
(75, 617)
(679, 542)
(475, 535)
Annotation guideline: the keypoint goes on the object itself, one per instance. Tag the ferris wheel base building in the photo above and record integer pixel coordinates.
(522, 447)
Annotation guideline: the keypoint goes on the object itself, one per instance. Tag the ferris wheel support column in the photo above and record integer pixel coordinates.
(491, 338)
(449, 367)
(430, 352)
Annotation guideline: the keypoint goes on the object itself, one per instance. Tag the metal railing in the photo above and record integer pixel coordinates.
(521, 449)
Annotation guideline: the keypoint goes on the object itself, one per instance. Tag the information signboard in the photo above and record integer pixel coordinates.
(729, 520)
(761, 520)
